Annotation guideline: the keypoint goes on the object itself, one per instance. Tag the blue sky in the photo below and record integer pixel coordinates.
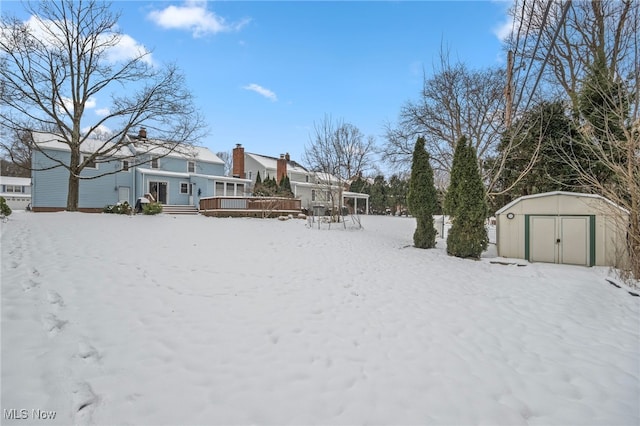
(264, 72)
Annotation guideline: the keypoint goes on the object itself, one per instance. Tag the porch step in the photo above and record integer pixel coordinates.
(179, 209)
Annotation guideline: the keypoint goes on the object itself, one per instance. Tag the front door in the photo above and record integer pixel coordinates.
(159, 191)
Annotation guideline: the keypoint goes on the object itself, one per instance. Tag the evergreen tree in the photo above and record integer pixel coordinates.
(258, 178)
(604, 106)
(422, 197)
(378, 195)
(450, 200)
(531, 149)
(468, 235)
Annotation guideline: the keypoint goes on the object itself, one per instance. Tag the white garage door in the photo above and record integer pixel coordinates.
(559, 239)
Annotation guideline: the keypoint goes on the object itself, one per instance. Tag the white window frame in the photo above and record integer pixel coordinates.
(189, 164)
(88, 166)
(15, 189)
(313, 195)
(186, 187)
(124, 168)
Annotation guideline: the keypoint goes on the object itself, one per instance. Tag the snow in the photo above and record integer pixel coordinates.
(152, 320)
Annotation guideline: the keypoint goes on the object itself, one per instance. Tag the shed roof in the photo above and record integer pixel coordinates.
(558, 193)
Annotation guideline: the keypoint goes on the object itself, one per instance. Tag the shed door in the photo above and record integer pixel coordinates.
(559, 239)
(574, 241)
(543, 239)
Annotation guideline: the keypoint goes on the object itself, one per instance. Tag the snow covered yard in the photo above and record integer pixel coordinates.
(191, 320)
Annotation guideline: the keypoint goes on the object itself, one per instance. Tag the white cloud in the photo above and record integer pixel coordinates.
(261, 91)
(503, 29)
(102, 132)
(102, 112)
(126, 48)
(195, 17)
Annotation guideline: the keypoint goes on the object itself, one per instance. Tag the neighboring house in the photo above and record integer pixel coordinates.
(180, 177)
(16, 191)
(315, 190)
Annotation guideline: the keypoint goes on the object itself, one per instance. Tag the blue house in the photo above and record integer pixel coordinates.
(177, 178)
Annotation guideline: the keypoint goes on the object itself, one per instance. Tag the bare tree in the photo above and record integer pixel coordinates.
(228, 161)
(454, 102)
(52, 67)
(554, 43)
(18, 152)
(337, 152)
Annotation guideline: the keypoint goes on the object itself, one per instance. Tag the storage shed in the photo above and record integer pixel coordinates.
(563, 227)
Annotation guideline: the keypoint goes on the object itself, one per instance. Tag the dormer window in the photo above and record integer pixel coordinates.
(191, 166)
(155, 163)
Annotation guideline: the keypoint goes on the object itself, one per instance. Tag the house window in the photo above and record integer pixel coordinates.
(313, 195)
(191, 166)
(306, 178)
(90, 164)
(250, 174)
(13, 188)
(184, 188)
(125, 165)
(155, 163)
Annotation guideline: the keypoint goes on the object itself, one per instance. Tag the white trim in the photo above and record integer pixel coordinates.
(122, 169)
(184, 183)
(189, 163)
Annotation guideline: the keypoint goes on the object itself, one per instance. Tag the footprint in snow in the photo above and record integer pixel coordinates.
(55, 298)
(52, 324)
(84, 402)
(30, 285)
(88, 352)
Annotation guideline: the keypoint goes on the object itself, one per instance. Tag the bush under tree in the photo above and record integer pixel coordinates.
(422, 197)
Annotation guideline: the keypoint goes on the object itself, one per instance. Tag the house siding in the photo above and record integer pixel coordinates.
(50, 187)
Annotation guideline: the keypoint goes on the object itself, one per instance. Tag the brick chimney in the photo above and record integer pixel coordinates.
(142, 133)
(238, 161)
(281, 168)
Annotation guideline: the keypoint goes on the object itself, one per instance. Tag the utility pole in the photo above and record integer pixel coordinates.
(508, 93)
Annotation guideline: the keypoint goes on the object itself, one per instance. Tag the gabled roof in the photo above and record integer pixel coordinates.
(187, 152)
(272, 163)
(139, 147)
(556, 193)
(89, 146)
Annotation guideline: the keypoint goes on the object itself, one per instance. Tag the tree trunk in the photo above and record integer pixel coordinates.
(72, 197)
(74, 181)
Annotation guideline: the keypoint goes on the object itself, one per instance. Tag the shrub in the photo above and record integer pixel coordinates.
(120, 208)
(151, 208)
(5, 210)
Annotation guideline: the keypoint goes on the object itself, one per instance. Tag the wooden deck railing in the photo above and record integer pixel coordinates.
(250, 203)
